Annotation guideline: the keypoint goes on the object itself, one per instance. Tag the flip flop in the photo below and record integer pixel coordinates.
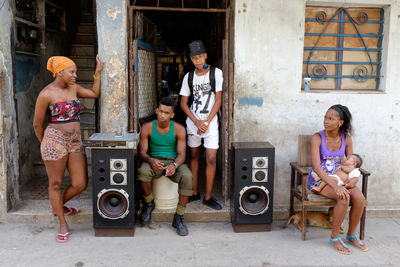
(331, 240)
(71, 211)
(62, 238)
(363, 246)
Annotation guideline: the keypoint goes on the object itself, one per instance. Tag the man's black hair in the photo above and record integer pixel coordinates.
(167, 101)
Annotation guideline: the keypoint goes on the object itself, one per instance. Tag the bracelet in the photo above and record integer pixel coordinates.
(96, 77)
(176, 165)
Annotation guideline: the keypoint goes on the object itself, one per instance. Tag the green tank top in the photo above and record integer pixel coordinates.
(163, 145)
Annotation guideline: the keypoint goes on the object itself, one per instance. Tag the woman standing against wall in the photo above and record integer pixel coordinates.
(60, 143)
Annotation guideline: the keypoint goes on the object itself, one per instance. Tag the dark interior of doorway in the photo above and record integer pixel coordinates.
(68, 29)
(170, 33)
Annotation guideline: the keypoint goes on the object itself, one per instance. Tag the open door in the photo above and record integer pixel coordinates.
(142, 75)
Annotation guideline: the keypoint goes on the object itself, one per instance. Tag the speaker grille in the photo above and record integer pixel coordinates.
(113, 203)
(253, 200)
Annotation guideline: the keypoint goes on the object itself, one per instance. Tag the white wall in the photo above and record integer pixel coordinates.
(270, 106)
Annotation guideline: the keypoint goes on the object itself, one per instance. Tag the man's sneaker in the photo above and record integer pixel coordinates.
(147, 209)
(212, 203)
(194, 197)
(178, 224)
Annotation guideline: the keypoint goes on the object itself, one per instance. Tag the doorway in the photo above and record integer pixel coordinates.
(166, 29)
(45, 28)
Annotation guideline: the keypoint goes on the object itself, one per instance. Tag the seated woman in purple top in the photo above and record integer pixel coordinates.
(328, 148)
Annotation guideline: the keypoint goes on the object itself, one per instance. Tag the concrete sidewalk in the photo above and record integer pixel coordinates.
(208, 244)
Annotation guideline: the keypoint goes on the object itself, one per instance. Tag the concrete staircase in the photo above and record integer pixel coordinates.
(83, 52)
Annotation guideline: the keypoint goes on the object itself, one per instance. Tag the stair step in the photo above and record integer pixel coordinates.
(87, 17)
(87, 103)
(86, 84)
(39, 169)
(88, 120)
(85, 74)
(88, 111)
(86, 28)
(38, 212)
(84, 62)
(87, 132)
(85, 38)
(83, 50)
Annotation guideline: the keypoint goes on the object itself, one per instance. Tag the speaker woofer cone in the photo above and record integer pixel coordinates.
(253, 200)
(113, 203)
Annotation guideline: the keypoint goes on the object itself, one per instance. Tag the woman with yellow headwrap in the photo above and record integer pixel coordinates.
(60, 143)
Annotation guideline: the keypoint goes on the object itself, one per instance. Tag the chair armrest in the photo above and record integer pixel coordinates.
(302, 178)
(364, 185)
(364, 172)
(302, 171)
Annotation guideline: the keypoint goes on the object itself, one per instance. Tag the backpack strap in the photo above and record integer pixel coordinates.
(212, 78)
(190, 81)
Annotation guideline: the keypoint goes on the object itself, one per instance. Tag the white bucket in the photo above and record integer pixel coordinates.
(165, 193)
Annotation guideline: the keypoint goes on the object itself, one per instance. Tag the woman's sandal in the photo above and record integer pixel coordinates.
(62, 238)
(331, 240)
(363, 246)
(71, 211)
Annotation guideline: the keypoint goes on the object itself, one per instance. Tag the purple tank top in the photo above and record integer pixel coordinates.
(330, 160)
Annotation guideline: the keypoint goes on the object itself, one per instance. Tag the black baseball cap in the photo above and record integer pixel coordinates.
(196, 48)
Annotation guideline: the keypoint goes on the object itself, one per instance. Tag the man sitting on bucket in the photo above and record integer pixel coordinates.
(163, 152)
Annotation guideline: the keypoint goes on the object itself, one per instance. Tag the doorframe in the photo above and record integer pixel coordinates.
(227, 96)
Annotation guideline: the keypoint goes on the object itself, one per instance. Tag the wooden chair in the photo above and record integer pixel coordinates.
(299, 180)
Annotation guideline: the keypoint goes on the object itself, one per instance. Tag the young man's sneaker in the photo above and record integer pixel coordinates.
(194, 197)
(178, 224)
(212, 203)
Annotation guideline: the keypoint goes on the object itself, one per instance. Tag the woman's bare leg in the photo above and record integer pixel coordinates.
(78, 172)
(339, 213)
(55, 171)
(358, 204)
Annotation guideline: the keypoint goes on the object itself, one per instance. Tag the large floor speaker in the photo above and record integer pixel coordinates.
(253, 186)
(113, 191)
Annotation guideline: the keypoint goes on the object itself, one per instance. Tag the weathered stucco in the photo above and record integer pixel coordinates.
(270, 106)
(8, 127)
(113, 48)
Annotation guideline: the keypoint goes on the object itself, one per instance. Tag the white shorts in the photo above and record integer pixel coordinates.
(211, 141)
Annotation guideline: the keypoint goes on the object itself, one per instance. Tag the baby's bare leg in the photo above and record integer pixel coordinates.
(318, 188)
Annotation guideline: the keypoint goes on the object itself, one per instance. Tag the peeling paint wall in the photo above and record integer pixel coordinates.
(270, 106)
(112, 33)
(8, 127)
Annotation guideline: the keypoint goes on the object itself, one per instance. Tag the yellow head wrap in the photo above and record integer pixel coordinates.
(58, 63)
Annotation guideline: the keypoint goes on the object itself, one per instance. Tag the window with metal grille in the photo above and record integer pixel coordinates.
(342, 48)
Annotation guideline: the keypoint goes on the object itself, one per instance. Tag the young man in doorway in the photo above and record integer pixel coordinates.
(163, 152)
(204, 87)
